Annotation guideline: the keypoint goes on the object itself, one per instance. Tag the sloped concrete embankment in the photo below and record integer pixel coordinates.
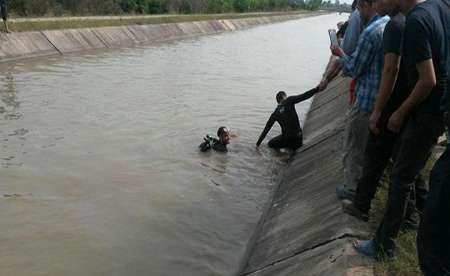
(32, 44)
(304, 231)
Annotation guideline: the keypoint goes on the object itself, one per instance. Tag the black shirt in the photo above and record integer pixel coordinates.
(219, 146)
(392, 44)
(212, 143)
(427, 35)
(286, 115)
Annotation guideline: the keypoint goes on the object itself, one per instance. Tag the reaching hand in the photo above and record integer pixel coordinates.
(373, 122)
(323, 84)
(396, 121)
(337, 51)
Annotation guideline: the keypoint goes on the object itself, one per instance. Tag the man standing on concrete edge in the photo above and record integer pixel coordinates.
(4, 12)
(426, 50)
(365, 65)
(381, 144)
(428, 28)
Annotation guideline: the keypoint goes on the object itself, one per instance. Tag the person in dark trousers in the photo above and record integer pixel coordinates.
(380, 145)
(433, 237)
(432, 19)
(218, 144)
(4, 12)
(426, 46)
(285, 114)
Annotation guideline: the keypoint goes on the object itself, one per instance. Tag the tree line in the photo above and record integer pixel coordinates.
(116, 7)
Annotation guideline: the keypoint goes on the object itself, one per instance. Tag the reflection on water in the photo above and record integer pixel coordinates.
(8, 97)
(9, 108)
(99, 152)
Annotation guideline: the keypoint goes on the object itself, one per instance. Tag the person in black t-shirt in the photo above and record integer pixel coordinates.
(427, 50)
(418, 120)
(285, 114)
(380, 145)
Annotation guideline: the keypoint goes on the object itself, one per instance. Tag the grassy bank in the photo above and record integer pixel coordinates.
(39, 24)
(406, 262)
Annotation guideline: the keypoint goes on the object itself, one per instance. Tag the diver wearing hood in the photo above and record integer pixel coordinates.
(217, 144)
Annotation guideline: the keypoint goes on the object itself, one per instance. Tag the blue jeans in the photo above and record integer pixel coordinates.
(433, 237)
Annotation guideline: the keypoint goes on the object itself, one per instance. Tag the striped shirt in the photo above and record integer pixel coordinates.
(366, 63)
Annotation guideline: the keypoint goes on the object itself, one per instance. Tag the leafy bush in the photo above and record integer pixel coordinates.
(103, 7)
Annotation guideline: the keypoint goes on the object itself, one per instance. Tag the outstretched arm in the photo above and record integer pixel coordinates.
(302, 97)
(269, 125)
(333, 69)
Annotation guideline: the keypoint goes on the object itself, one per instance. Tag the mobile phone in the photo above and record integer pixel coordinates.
(333, 37)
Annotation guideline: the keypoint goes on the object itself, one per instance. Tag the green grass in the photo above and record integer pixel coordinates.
(406, 262)
(86, 22)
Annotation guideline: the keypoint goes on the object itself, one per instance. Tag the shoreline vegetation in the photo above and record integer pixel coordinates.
(34, 15)
(76, 22)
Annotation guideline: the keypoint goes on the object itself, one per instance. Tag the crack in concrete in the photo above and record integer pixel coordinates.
(51, 43)
(296, 253)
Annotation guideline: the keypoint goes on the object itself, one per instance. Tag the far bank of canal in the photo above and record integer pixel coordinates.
(51, 41)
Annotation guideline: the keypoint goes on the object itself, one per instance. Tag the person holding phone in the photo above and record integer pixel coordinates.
(333, 37)
(366, 66)
(420, 121)
(348, 44)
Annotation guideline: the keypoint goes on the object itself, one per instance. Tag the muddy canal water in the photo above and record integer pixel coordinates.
(100, 172)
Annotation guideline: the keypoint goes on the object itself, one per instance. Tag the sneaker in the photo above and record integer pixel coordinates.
(350, 209)
(343, 193)
(366, 248)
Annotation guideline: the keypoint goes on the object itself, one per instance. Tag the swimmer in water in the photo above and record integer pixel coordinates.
(218, 144)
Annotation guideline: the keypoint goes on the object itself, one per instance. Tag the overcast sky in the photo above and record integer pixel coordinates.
(344, 1)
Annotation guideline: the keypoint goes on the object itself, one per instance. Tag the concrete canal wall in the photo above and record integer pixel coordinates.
(32, 44)
(304, 231)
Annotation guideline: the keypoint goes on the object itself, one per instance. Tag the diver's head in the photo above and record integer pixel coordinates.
(224, 135)
(281, 96)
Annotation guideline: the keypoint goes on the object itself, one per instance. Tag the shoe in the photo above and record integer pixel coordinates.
(350, 209)
(343, 193)
(366, 248)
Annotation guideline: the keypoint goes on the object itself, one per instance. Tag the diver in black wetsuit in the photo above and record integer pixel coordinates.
(216, 144)
(285, 114)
